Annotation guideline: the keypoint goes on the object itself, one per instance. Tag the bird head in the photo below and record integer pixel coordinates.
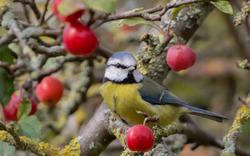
(122, 68)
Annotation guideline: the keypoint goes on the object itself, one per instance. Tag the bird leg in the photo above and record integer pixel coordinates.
(148, 118)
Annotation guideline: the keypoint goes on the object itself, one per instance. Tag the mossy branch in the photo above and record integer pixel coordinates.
(231, 138)
(9, 134)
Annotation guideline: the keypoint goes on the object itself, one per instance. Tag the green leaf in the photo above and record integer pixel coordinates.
(24, 108)
(30, 126)
(5, 54)
(223, 6)
(175, 11)
(15, 48)
(101, 5)
(68, 7)
(135, 21)
(6, 83)
(131, 22)
(6, 149)
(6, 87)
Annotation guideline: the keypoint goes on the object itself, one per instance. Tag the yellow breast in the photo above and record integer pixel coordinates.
(124, 100)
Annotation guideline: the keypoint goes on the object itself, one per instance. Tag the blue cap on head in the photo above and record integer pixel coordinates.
(122, 54)
(123, 58)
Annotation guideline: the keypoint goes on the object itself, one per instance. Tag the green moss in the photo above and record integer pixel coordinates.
(230, 140)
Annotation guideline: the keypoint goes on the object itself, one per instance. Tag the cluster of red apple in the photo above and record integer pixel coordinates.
(78, 38)
(49, 91)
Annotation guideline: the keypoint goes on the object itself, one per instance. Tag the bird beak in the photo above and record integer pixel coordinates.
(131, 69)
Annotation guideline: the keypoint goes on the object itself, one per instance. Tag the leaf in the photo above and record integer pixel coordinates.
(68, 7)
(102, 5)
(15, 48)
(175, 11)
(30, 126)
(6, 87)
(24, 108)
(223, 6)
(135, 21)
(5, 54)
(6, 83)
(6, 149)
(131, 22)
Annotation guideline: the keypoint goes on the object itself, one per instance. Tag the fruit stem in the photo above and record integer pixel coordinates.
(168, 27)
(177, 40)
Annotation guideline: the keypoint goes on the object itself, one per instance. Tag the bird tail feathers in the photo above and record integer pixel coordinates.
(206, 114)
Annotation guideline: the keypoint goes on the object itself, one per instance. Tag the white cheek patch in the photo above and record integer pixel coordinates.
(115, 74)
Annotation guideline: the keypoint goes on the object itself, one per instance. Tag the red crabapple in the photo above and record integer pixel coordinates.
(140, 138)
(180, 57)
(49, 90)
(11, 109)
(79, 39)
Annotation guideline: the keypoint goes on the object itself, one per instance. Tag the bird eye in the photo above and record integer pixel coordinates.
(120, 66)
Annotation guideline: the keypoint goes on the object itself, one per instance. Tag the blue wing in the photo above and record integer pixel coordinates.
(155, 94)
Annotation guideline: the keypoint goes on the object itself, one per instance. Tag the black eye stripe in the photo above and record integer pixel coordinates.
(120, 66)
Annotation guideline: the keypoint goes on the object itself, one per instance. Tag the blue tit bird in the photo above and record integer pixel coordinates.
(127, 91)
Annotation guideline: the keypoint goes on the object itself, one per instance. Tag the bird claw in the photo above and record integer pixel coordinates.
(143, 114)
(148, 118)
(154, 118)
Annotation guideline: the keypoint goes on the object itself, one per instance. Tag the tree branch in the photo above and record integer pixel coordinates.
(8, 134)
(7, 39)
(95, 135)
(242, 116)
(145, 14)
(41, 19)
(28, 83)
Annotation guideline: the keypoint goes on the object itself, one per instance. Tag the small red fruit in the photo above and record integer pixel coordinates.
(69, 18)
(180, 57)
(49, 91)
(140, 138)
(11, 109)
(79, 39)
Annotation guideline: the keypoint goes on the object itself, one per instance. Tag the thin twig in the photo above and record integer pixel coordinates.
(33, 6)
(26, 13)
(54, 51)
(104, 51)
(28, 83)
(143, 14)
(41, 19)
(6, 66)
(7, 38)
